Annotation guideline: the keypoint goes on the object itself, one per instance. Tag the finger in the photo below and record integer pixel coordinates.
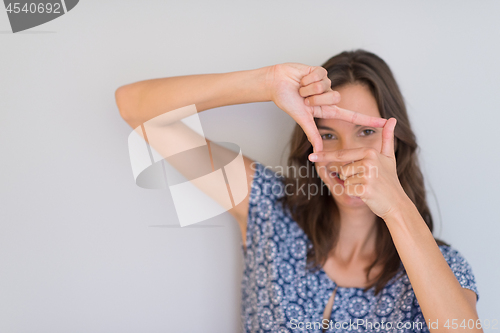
(343, 155)
(388, 137)
(343, 171)
(315, 88)
(361, 168)
(353, 180)
(317, 74)
(333, 111)
(327, 98)
(356, 170)
(355, 190)
(309, 127)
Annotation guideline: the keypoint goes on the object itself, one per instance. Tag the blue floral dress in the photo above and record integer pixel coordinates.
(280, 295)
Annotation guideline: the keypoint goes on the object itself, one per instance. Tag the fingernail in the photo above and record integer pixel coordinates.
(313, 157)
(306, 101)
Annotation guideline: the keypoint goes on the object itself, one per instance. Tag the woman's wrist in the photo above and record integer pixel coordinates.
(265, 83)
(248, 86)
(400, 208)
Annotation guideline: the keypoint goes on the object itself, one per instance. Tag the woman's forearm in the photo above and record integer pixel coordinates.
(140, 101)
(438, 291)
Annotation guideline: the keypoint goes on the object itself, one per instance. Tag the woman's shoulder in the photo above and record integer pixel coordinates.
(460, 267)
(265, 174)
(452, 255)
(268, 216)
(266, 184)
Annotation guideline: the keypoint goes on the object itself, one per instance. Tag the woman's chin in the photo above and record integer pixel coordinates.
(345, 200)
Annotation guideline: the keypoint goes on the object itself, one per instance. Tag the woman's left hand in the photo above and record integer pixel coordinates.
(369, 174)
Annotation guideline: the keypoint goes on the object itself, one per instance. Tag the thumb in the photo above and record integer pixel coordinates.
(316, 142)
(388, 137)
(311, 130)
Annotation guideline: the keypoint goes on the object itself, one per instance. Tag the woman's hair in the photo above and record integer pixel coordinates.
(318, 214)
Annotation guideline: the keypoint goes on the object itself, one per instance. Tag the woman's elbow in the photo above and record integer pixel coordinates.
(123, 101)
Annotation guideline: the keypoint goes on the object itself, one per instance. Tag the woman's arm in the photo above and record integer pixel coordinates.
(149, 102)
(141, 101)
(440, 295)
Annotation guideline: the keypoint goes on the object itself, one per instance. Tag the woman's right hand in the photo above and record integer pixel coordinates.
(305, 93)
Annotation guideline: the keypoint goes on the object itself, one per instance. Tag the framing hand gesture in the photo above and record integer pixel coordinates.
(369, 174)
(304, 92)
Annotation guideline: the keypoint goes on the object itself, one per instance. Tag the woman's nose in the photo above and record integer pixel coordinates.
(349, 143)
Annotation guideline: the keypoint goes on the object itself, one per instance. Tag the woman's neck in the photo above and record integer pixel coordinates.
(357, 235)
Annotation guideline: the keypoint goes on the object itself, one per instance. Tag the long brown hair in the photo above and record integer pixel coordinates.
(318, 214)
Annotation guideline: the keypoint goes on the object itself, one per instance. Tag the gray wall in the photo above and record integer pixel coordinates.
(83, 249)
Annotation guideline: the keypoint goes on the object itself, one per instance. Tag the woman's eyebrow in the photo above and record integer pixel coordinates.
(331, 129)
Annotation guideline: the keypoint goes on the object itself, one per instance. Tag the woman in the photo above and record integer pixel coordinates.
(349, 245)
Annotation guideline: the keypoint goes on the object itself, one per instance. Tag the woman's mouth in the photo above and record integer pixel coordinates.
(337, 178)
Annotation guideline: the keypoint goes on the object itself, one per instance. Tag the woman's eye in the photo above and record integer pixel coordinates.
(367, 132)
(327, 136)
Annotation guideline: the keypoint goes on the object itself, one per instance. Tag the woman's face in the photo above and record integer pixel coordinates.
(340, 134)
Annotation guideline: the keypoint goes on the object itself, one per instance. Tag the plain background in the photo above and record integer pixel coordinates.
(83, 249)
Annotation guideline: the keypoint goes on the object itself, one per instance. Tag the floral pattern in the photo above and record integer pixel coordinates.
(280, 295)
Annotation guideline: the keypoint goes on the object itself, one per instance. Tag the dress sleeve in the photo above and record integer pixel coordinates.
(266, 188)
(461, 268)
